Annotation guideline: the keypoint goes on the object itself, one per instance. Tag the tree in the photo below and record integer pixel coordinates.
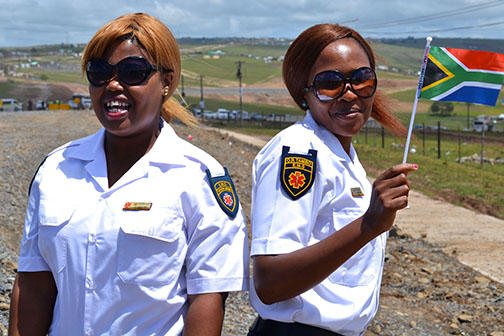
(441, 108)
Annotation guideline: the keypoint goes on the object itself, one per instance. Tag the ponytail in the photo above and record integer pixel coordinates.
(173, 109)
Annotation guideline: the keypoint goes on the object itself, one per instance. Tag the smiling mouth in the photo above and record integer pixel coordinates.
(346, 114)
(116, 108)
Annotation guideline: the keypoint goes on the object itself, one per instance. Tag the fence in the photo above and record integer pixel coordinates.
(437, 142)
(441, 143)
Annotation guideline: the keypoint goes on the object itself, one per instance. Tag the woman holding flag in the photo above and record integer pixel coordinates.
(318, 226)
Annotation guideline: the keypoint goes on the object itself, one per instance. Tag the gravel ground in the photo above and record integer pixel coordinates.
(425, 291)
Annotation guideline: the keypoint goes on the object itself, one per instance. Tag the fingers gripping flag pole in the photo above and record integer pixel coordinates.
(419, 90)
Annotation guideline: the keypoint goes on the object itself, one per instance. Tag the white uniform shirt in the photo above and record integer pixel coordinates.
(347, 300)
(129, 272)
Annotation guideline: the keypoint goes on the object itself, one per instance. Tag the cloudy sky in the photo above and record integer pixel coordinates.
(35, 22)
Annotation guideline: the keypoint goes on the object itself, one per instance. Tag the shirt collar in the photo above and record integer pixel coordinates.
(329, 138)
(92, 147)
(88, 148)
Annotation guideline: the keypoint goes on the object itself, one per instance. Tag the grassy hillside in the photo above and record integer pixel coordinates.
(461, 43)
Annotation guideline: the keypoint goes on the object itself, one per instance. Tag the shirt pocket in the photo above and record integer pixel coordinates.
(364, 266)
(52, 240)
(150, 245)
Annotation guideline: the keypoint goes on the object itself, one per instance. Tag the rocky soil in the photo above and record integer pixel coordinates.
(425, 291)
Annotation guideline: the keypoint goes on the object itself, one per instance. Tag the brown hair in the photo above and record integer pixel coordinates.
(303, 53)
(157, 41)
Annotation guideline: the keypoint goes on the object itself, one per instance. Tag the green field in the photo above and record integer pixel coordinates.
(444, 178)
(224, 68)
(68, 77)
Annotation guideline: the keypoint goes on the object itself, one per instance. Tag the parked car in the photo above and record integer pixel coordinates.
(207, 114)
(222, 114)
(236, 114)
(482, 125)
(41, 105)
(257, 117)
(10, 104)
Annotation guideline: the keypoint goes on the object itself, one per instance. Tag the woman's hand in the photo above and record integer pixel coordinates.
(390, 193)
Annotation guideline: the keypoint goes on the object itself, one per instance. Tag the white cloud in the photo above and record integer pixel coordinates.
(32, 22)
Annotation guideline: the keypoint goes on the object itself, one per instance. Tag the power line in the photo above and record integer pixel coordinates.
(441, 30)
(434, 16)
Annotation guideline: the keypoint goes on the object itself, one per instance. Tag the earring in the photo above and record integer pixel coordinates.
(166, 92)
(304, 105)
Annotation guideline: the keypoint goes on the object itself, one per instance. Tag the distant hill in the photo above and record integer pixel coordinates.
(461, 43)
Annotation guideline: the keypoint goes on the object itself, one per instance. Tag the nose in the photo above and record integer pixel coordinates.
(114, 84)
(348, 94)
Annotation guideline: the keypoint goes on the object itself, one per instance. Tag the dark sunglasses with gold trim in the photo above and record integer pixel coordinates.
(331, 84)
(133, 70)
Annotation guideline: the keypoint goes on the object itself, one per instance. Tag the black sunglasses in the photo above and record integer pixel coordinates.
(133, 70)
(330, 85)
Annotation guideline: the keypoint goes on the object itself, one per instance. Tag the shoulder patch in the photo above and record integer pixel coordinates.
(297, 172)
(225, 193)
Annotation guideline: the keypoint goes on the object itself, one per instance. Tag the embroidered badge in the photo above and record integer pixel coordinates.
(136, 206)
(356, 192)
(297, 172)
(224, 191)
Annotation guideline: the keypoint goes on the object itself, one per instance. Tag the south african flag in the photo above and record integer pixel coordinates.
(461, 75)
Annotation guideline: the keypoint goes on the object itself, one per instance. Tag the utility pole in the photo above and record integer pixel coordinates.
(468, 126)
(239, 74)
(202, 101)
(183, 92)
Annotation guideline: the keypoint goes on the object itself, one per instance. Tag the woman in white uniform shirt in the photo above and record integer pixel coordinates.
(318, 226)
(130, 231)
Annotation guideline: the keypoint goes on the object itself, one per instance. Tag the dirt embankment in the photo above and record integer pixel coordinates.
(426, 289)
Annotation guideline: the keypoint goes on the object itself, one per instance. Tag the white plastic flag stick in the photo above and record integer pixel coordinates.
(419, 90)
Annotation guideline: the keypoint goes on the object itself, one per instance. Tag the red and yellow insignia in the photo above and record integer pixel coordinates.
(224, 191)
(297, 172)
(136, 206)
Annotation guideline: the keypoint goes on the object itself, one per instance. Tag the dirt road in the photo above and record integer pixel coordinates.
(476, 240)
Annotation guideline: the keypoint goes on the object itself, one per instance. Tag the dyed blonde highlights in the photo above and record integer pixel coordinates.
(157, 41)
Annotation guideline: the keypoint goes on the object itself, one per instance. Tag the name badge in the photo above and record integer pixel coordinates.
(136, 206)
(356, 192)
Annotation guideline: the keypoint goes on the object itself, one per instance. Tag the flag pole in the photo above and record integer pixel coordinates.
(419, 90)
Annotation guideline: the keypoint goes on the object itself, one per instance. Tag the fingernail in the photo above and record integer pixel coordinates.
(416, 166)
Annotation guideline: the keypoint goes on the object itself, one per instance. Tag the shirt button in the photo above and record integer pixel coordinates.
(90, 284)
(92, 238)
(89, 331)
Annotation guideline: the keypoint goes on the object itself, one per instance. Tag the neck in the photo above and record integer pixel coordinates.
(123, 152)
(346, 142)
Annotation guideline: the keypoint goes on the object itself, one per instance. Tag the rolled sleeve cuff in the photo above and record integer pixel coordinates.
(265, 246)
(32, 264)
(217, 285)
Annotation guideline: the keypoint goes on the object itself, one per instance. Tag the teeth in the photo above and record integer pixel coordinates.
(115, 103)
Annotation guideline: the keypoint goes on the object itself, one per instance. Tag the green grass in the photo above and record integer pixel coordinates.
(255, 50)
(443, 178)
(439, 178)
(7, 88)
(404, 59)
(68, 77)
(254, 71)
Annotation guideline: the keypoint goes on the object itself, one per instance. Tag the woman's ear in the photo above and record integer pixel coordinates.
(167, 78)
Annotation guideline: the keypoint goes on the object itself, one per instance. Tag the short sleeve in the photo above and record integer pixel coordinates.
(30, 259)
(279, 224)
(217, 245)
